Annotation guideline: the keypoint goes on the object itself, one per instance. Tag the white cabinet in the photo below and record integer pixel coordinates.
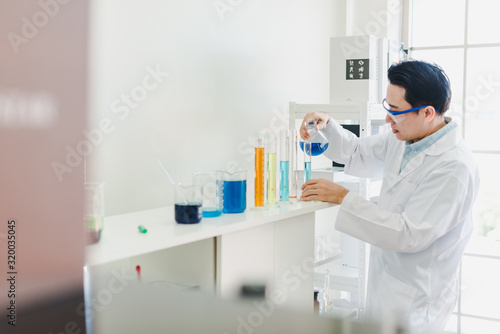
(273, 246)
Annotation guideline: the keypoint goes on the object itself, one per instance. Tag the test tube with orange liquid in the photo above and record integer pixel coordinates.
(259, 170)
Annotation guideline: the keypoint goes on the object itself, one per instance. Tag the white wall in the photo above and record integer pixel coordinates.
(381, 18)
(230, 73)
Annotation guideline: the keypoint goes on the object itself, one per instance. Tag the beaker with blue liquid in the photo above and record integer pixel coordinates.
(234, 191)
(318, 141)
(211, 191)
(188, 204)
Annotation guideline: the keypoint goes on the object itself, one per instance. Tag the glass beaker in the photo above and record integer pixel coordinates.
(234, 191)
(319, 143)
(94, 211)
(188, 208)
(211, 190)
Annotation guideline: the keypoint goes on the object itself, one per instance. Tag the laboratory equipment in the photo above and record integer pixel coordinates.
(293, 164)
(211, 188)
(272, 142)
(398, 116)
(234, 191)
(307, 161)
(171, 180)
(284, 164)
(94, 211)
(188, 204)
(326, 303)
(259, 170)
(319, 143)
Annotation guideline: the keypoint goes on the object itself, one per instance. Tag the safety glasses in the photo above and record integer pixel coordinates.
(398, 116)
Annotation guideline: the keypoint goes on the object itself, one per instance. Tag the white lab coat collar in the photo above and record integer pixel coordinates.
(445, 143)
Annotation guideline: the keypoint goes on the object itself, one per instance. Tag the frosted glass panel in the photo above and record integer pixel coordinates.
(451, 326)
(475, 326)
(486, 211)
(482, 100)
(438, 22)
(480, 279)
(484, 24)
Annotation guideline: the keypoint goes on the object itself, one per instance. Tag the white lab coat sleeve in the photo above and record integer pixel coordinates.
(439, 203)
(361, 157)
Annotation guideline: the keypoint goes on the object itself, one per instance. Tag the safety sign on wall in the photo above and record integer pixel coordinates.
(357, 69)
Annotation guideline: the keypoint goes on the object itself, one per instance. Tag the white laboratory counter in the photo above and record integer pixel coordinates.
(122, 239)
(273, 246)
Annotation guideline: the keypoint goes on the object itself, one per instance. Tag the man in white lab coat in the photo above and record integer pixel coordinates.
(422, 223)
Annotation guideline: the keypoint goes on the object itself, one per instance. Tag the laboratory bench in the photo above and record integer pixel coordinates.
(271, 246)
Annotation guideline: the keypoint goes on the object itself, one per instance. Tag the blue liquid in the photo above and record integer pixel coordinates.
(307, 171)
(235, 196)
(284, 168)
(211, 212)
(190, 213)
(316, 148)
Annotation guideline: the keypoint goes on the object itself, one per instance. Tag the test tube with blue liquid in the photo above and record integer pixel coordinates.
(293, 165)
(271, 168)
(307, 161)
(284, 164)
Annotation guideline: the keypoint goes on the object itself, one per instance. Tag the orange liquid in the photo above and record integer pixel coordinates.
(259, 176)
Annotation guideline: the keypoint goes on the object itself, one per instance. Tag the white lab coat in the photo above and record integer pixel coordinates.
(418, 230)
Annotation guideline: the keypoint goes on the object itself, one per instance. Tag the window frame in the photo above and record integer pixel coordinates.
(407, 24)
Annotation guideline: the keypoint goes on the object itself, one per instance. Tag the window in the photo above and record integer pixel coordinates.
(462, 37)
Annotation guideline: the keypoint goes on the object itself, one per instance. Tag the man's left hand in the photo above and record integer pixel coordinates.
(323, 190)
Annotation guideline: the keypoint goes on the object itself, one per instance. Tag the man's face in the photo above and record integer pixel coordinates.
(411, 127)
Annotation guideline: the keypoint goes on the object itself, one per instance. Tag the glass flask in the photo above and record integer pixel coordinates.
(319, 143)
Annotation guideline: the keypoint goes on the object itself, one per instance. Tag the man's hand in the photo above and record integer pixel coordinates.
(321, 119)
(323, 190)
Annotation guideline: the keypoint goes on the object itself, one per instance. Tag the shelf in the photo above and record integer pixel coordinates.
(121, 238)
(335, 256)
(342, 313)
(342, 277)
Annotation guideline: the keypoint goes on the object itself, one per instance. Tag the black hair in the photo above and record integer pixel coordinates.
(424, 83)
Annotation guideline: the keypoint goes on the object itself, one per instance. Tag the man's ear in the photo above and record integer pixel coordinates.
(429, 113)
